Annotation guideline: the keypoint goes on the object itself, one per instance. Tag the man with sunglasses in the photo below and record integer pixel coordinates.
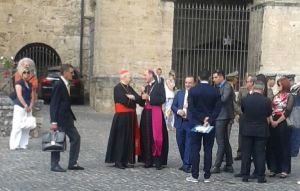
(62, 119)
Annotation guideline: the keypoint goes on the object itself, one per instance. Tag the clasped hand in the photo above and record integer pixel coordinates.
(181, 113)
(130, 96)
(205, 122)
(145, 96)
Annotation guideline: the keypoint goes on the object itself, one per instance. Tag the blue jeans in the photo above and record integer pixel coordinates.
(295, 141)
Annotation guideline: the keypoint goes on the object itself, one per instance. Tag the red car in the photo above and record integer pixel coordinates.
(53, 74)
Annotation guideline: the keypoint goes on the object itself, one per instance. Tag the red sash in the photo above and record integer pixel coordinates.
(120, 108)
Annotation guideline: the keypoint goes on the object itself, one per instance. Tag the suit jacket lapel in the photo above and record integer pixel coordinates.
(182, 99)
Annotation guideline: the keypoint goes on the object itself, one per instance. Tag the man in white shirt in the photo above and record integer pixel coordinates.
(179, 107)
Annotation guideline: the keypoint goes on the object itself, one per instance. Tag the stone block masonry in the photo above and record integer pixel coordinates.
(6, 114)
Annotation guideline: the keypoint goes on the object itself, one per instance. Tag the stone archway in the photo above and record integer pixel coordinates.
(42, 54)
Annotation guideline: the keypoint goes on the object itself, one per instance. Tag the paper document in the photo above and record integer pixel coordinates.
(203, 129)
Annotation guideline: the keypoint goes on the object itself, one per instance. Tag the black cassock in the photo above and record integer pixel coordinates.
(121, 143)
(157, 98)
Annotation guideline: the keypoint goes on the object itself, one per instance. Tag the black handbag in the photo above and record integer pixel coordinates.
(53, 141)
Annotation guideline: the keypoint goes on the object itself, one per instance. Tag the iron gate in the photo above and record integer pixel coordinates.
(43, 55)
(210, 36)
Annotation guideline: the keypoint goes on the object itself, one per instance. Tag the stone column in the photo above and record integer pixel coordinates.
(274, 49)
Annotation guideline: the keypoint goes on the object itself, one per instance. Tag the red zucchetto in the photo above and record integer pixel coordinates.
(123, 72)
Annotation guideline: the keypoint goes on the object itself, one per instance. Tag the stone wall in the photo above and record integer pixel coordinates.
(280, 37)
(6, 114)
(134, 35)
(55, 23)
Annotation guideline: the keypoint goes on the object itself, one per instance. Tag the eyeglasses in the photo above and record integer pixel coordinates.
(26, 72)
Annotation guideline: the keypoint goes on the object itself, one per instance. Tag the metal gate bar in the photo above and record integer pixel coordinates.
(208, 36)
(43, 55)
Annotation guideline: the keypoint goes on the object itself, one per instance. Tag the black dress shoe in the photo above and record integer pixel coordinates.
(57, 168)
(159, 167)
(187, 170)
(228, 169)
(148, 165)
(119, 165)
(75, 167)
(181, 168)
(253, 176)
(215, 170)
(238, 175)
(261, 180)
(128, 165)
(245, 179)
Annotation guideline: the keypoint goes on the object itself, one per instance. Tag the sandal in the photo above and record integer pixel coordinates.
(283, 175)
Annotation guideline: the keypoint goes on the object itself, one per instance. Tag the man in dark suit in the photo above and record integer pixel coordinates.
(160, 79)
(226, 114)
(154, 134)
(243, 92)
(204, 105)
(255, 131)
(62, 119)
(179, 107)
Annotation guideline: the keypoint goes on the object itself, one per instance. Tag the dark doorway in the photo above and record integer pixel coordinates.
(43, 55)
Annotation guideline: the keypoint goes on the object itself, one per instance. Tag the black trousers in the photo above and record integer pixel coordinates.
(223, 143)
(278, 149)
(239, 149)
(256, 147)
(195, 147)
(74, 138)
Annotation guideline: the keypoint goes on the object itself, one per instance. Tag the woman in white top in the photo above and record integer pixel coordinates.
(170, 93)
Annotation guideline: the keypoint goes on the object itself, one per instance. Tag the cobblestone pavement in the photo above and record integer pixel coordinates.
(29, 169)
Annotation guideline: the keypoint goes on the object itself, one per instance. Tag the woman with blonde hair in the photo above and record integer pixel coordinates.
(33, 81)
(22, 106)
(170, 93)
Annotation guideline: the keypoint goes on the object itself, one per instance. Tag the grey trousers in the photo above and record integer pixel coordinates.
(223, 143)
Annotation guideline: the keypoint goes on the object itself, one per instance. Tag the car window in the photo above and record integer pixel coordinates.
(56, 74)
(76, 75)
(53, 74)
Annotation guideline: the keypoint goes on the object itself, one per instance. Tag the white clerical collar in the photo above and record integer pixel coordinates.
(204, 82)
(65, 81)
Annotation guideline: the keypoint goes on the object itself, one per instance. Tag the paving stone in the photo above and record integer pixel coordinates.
(29, 170)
